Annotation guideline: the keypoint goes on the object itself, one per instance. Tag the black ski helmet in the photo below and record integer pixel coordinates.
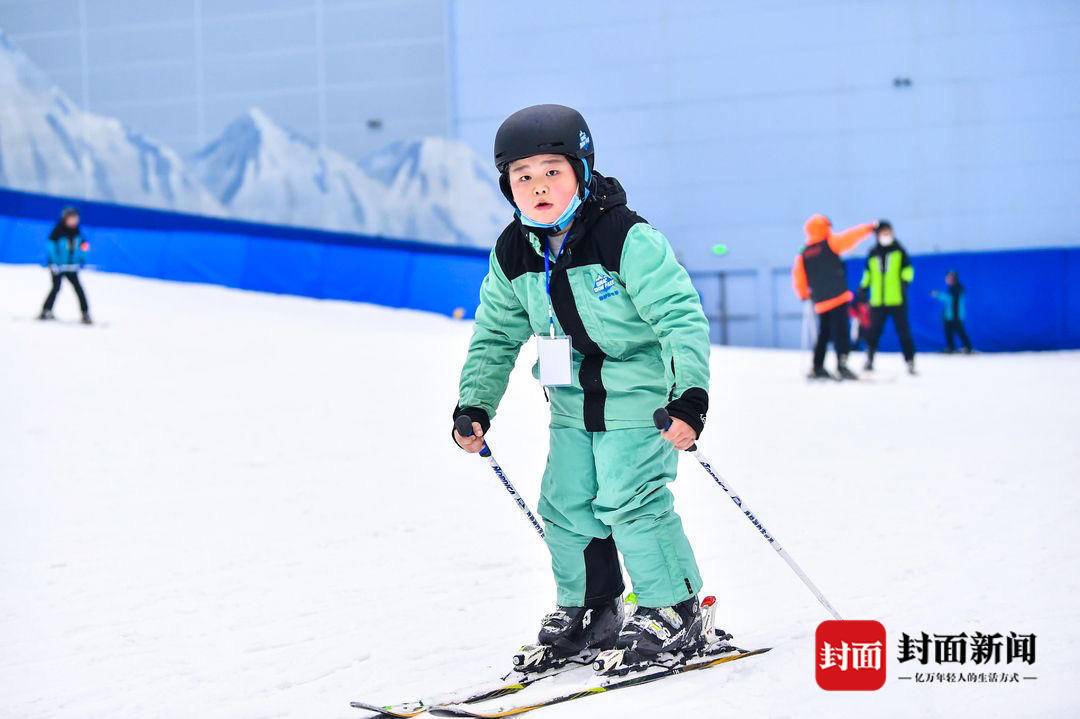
(544, 129)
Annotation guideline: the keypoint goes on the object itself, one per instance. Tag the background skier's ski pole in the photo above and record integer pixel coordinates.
(463, 425)
(663, 421)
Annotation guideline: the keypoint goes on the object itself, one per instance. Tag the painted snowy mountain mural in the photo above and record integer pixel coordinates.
(262, 171)
(49, 145)
(449, 190)
(432, 189)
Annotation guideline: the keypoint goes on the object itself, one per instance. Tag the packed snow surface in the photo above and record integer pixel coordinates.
(222, 504)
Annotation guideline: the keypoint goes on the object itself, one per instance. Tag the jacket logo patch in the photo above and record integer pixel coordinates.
(604, 287)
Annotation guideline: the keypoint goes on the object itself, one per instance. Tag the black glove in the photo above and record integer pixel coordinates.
(691, 408)
(475, 414)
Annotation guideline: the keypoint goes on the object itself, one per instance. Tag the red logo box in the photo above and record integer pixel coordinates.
(850, 655)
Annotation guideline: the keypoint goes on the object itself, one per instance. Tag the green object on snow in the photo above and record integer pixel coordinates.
(719, 250)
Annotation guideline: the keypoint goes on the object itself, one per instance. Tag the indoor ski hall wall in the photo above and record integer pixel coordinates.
(267, 258)
(733, 122)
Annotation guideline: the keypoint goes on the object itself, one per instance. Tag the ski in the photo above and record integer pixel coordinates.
(602, 685)
(509, 683)
(533, 656)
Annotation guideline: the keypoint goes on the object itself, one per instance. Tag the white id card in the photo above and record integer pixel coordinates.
(555, 364)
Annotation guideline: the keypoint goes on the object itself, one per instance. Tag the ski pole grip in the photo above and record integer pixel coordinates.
(463, 425)
(662, 420)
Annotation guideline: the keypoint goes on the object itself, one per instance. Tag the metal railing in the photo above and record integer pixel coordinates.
(719, 314)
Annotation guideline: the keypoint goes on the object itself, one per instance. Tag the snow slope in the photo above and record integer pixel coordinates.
(49, 145)
(226, 504)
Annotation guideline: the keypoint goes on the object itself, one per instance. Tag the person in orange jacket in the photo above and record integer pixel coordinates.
(818, 275)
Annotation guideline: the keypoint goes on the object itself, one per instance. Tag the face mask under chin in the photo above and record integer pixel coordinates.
(561, 223)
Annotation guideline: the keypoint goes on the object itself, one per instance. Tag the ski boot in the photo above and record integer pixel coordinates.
(86, 319)
(819, 373)
(656, 636)
(46, 315)
(911, 368)
(572, 635)
(843, 371)
(869, 366)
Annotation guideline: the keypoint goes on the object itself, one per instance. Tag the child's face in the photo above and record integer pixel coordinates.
(71, 220)
(950, 278)
(542, 186)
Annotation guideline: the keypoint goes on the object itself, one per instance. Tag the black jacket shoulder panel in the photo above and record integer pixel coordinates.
(514, 253)
(604, 242)
(604, 226)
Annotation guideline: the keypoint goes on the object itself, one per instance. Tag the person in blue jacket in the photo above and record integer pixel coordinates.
(67, 255)
(953, 312)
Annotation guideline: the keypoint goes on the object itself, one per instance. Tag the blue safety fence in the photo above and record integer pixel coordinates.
(1016, 299)
(267, 258)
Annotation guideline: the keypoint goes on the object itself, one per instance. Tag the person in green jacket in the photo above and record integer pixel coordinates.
(620, 332)
(887, 275)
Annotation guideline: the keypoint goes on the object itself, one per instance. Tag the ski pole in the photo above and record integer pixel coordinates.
(73, 268)
(463, 425)
(662, 420)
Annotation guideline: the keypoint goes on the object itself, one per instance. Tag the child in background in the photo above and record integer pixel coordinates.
(67, 255)
(860, 319)
(953, 312)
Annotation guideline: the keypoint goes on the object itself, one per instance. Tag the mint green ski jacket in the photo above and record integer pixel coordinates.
(639, 336)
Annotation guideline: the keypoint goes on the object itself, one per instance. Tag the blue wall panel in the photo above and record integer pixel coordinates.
(1071, 307)
(1016, 300)
(266, 258)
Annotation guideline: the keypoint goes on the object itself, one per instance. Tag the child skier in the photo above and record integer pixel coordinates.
(67, 255)
(860, 318)
(887, 275)
(953, 312)
(818, 274)
(620, 332)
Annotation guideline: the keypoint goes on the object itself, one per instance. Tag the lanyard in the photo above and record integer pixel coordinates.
(547, 279)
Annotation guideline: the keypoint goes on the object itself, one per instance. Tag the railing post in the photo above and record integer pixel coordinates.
(723, 308)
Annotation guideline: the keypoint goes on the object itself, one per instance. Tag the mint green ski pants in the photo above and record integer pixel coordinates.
(604, 491)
